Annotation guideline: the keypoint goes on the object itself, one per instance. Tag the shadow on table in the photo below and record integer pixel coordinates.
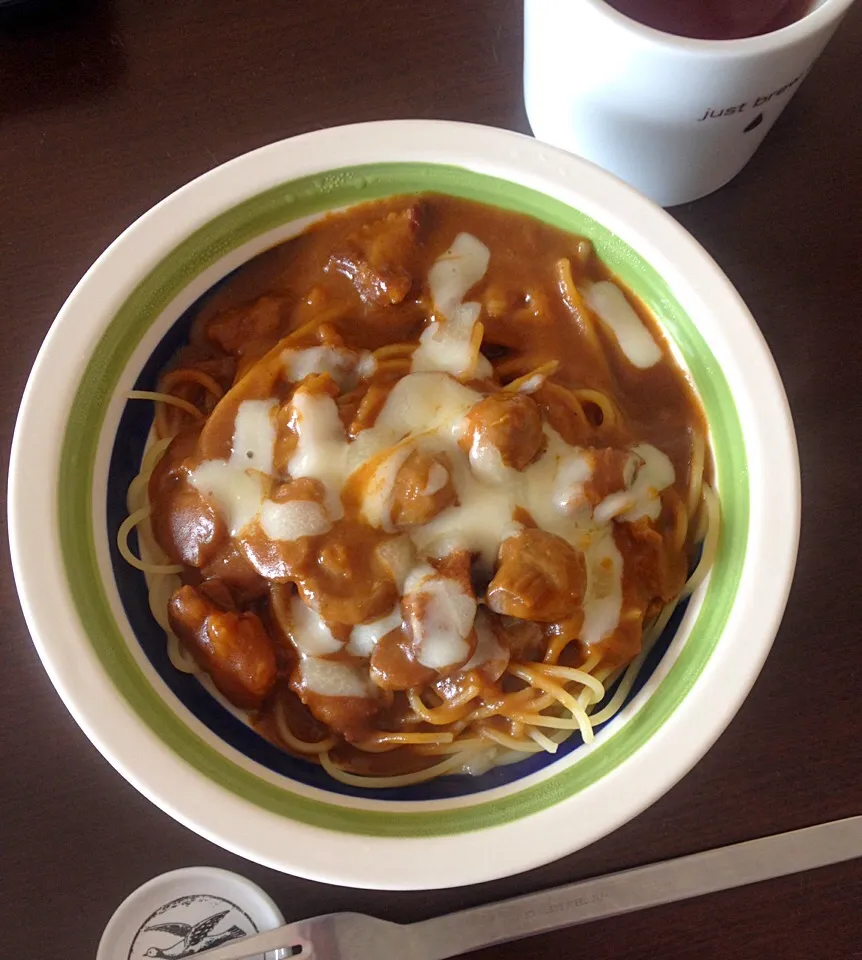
(54, 52)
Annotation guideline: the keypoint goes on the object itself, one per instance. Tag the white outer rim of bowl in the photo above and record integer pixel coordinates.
(408, 863)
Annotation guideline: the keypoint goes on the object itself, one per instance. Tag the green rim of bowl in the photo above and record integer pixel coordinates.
(202, 249)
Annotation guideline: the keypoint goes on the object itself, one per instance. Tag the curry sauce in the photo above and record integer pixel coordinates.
(432, 473)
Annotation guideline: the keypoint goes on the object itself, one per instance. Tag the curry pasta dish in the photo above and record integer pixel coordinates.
(423, 486)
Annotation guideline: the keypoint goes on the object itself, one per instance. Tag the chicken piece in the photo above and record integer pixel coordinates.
(524, 638)
(488, 663)
(378, 259)
(238, 329)
(219, 592)
(280, 541)
(653, 562)
(508, 423)
(184, 523)
(187, 526)
(613, 470)
(539, 577)
(423, 488)
(349, 716)
(619, 647)
(339, 694)
(233, 648)
(230, 567)
(394, 665)
(348, 575)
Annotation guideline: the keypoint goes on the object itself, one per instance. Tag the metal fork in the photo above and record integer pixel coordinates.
(354, 936)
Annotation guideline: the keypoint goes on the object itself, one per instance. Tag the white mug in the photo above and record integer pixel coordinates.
(676, 118)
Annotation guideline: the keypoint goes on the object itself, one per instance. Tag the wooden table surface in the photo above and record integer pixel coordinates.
(106, 113)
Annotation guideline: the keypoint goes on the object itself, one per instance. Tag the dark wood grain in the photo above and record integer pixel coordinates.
(105, 111)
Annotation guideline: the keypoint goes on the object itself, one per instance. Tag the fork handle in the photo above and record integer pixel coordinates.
(640, 888)
(275, 943)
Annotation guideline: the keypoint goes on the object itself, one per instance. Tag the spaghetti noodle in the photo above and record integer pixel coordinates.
(422, 492)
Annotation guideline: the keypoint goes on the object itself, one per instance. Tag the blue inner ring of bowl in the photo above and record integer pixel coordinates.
(126, 456)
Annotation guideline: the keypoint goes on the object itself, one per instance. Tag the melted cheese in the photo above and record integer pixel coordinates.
(487, 461)
(364, 637)
(399, 555)
(377, 501)
(654, 472)
(321, 448)
(654, 475)
(475, 524)
(293, 519)
(574, 471)
(483, 516)
(312, 636)
(346, 367)
(609, 303)
(438, 477)
(422, 402)
(235, 486)
(420, 405)
(335, 678)
(446, 344)
(254, 436)
(459, 269)
(236, 494)
(446, 620)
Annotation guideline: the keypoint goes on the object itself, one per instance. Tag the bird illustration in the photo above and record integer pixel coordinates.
(193, 939)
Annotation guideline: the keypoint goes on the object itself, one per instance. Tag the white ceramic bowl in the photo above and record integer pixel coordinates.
(77, 443)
